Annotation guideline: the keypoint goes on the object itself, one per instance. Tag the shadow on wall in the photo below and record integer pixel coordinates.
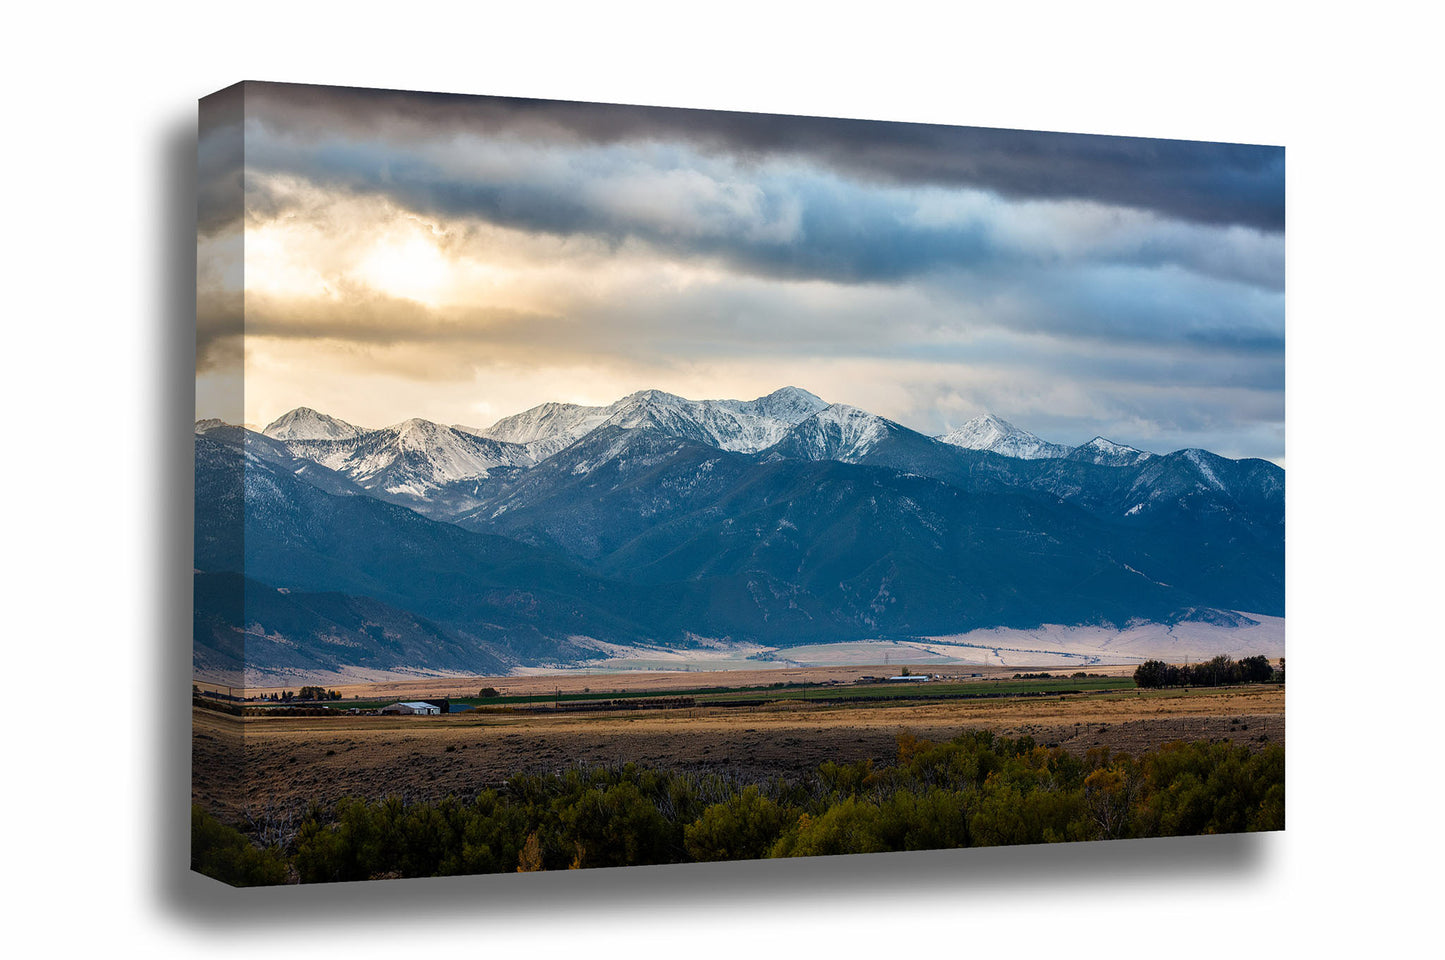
(173, 340)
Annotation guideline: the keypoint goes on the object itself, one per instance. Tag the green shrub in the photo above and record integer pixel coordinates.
(743, 827)
(975, 790)
(223, 852)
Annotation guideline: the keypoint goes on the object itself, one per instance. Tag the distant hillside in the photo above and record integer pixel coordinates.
(659, 520)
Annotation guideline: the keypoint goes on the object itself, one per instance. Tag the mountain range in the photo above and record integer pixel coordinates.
(666, 521)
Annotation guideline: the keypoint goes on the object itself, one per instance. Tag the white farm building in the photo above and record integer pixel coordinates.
(413, 707)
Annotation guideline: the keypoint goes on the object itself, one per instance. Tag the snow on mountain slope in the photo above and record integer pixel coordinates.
(303, 423)
(789, 404)
(545, 429)
(744, 426)
(413, 457)
(716, 423)
(1107, 453)
(1199, 479)
(837, 432)
(997, 435)
(1201, 463)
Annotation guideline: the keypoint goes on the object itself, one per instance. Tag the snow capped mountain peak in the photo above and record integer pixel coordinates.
(843, 412)
(1105, 445)
(303, 423)
(737, 425)
(651, 396)
(417, 455)
(1106, 452)
(411, 460)
(547, 427)
(982, 432)
(657, 410)
(789, 404)
(418, 430)
(837, 432)
(790, 393)
(997, 435)
(638, 409)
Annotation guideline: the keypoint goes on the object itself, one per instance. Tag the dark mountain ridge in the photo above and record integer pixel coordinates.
(849, 526)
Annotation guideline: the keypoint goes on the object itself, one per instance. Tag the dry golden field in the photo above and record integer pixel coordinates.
(653, 681)
(285, 763)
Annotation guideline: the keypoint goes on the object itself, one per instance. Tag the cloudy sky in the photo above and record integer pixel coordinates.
(382, 255)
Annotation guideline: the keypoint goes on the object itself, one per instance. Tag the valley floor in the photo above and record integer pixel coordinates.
(1005, 649)
(280, 765)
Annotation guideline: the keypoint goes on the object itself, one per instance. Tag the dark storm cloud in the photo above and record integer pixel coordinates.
(850, 235)
(776, 221)
(1125, 304)
(947, 317)
(220, 325)
(1143, 365)
(220, 156)
(220, 308)
(1212, 183)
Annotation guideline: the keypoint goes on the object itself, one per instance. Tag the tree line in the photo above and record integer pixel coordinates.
(1218, 672)
(976, 790)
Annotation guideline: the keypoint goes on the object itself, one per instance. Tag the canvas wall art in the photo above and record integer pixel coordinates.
(585, 485)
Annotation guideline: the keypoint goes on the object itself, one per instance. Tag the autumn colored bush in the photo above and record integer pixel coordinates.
(976, 790)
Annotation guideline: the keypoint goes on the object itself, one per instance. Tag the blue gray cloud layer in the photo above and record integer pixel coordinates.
(1197, 181)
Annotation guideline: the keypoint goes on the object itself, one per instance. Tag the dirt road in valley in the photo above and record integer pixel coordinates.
(290, 762)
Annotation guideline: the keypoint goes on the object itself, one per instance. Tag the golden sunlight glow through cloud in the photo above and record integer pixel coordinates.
(407, 264)
(344, 249)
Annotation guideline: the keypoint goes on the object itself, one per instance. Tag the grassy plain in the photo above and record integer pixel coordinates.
(650, 681)
(284, 763)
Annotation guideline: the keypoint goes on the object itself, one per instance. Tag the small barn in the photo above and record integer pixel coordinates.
(416, 707)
